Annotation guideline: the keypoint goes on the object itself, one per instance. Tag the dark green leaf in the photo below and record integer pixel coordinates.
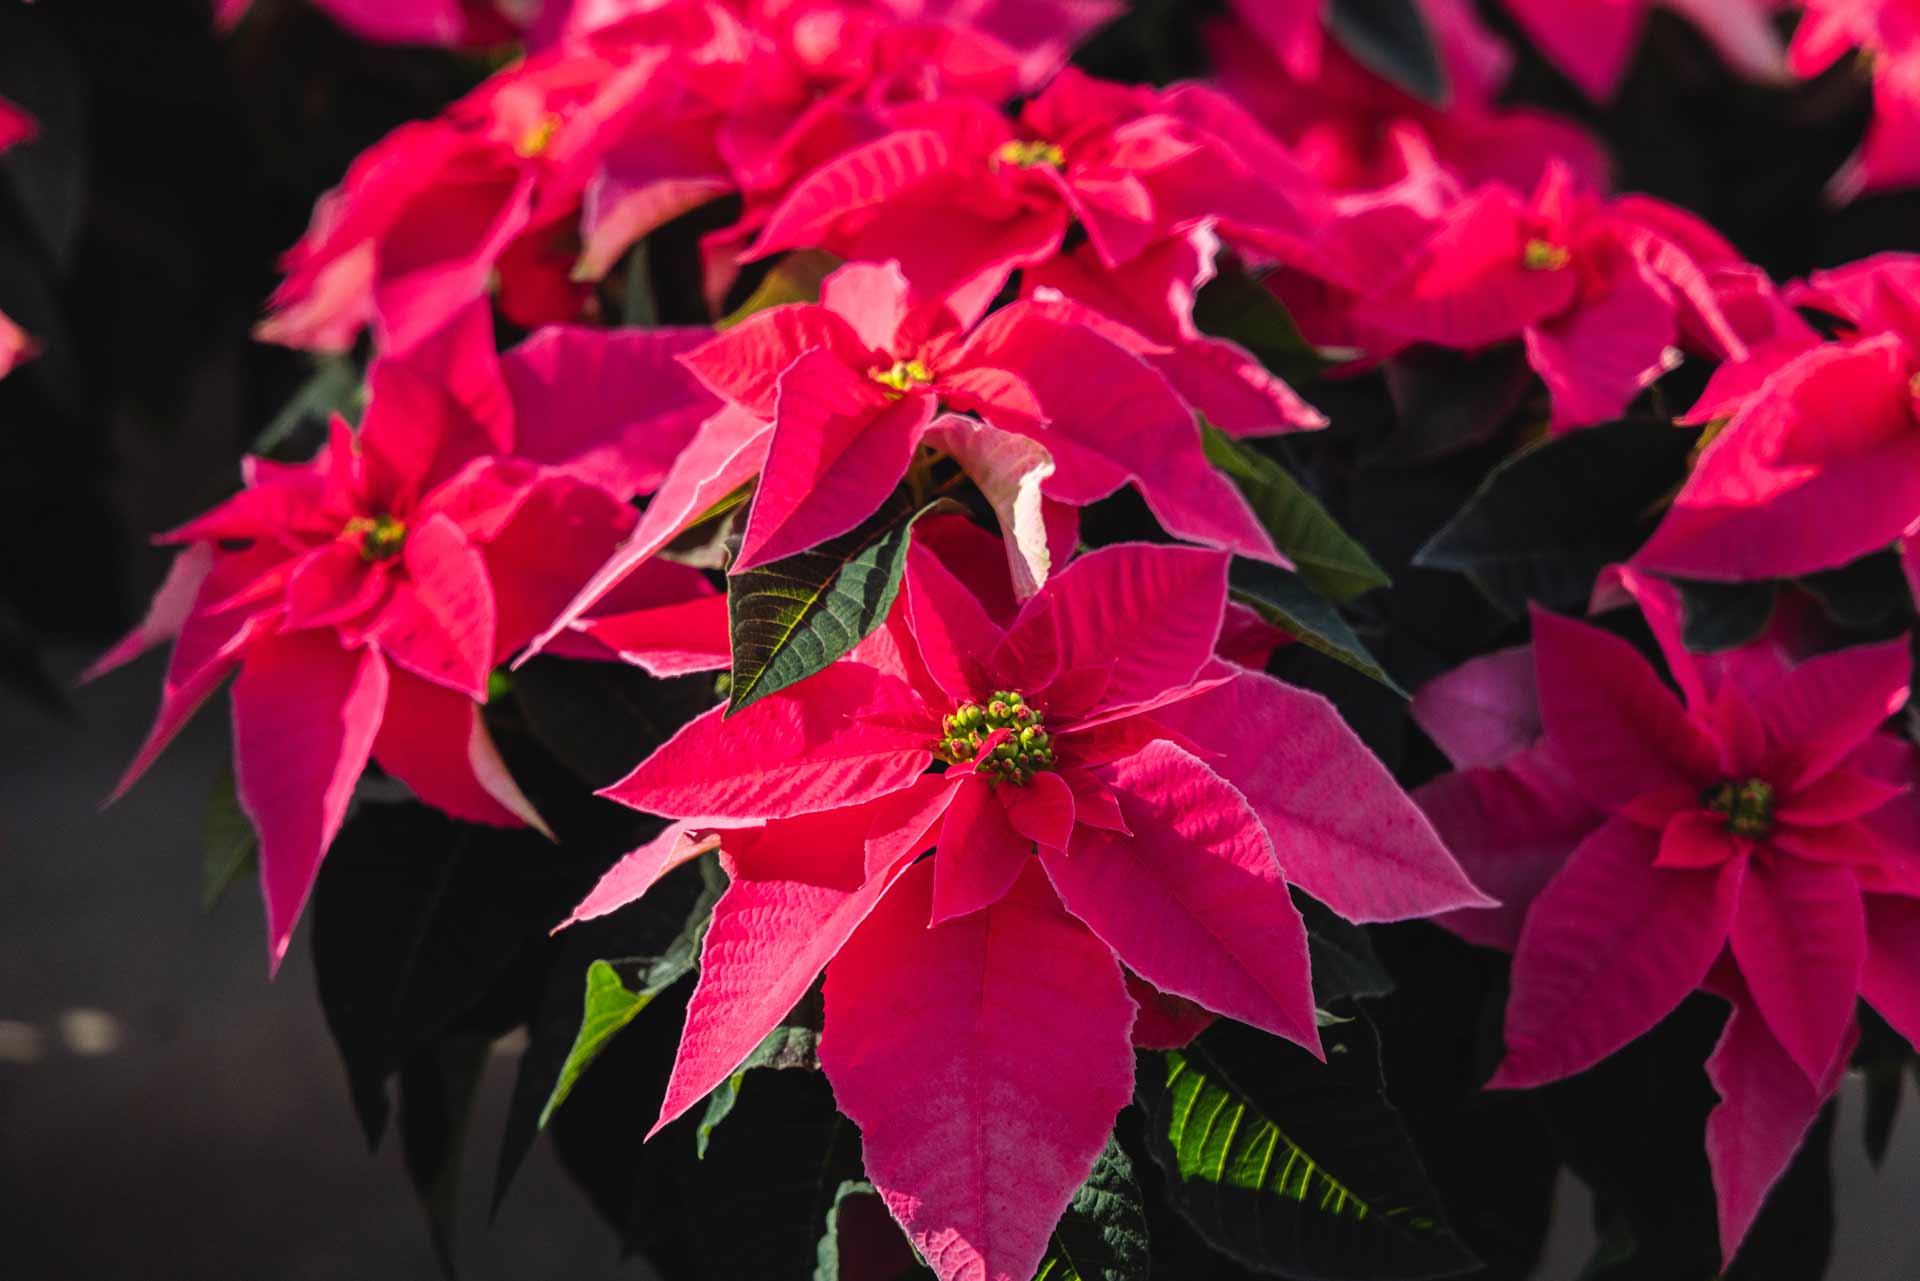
(769, 1180)
(643, 928)
(601, 719)
(637, 308)
(334, 388)
(1615, 1248)
(862, 1242)
(617, 991)
(790, 619)
(787, 1046)
(1446, 402)
(1324, 554)
(1886, 1082)
(1723, 616)
(1392, 39)
(416, 920)
(437, 1088)
(1545, 523)
(1284, 599)
(1864, 594)
(1292, 1166)
(1103, 1235)
(1345, 966)
(1236, 306)
(232, 848)
(22, 669)
(795, 278)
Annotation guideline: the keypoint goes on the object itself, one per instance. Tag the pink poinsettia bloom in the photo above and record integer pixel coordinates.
(1344, 121)
(1754, 836)
(1600, 291)
(439, 212)
(851, 386)
(1593, 41)
(1814, 464)
(365, 597)
(777, 91)
(961, 197)
(1888, 31)
(1116, 803)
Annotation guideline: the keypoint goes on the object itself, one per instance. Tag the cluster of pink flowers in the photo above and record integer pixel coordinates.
(1053, 802)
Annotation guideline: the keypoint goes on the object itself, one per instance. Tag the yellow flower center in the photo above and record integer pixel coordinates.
(1747, 807)
(381, 537)
(536, 140)
(904, 376)
(1026, 750)
(1544, 255)
(1030, 154)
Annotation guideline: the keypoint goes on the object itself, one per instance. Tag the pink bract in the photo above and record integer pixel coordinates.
(1100, 807)
(1602, 292)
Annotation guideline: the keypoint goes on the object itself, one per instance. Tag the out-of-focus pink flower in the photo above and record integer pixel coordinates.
(1343, 121)
(486, 197)
(961, 197)
(16, 345)
(1593, 41)
(1754, 837)
(1114, 796)
(1601, 291)
(1888, 33)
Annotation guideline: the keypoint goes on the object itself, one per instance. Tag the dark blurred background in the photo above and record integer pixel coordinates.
(164, 1109)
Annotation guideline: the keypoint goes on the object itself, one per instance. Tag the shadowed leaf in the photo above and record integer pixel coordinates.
(1292, 1166)
(790, 619)
(1325, 555)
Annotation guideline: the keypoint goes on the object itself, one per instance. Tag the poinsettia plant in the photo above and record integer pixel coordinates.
(1066, 640)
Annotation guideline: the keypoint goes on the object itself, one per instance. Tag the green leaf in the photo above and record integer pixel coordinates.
(793, 617)
(232, 850)
(1324, 554)
(618, 990)
(795, 278)
(1236, 306)
(437, 1089)
(1293, 1166)
(787, 1046)
(1103, 1235)
(1544, 524)
(1284, 599)
(1345, 966)
(637, 308)
(1723, 616)
(827, 1253)
(861, 1241)
(1447, 402)
(335, 388)
(1392, 39)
